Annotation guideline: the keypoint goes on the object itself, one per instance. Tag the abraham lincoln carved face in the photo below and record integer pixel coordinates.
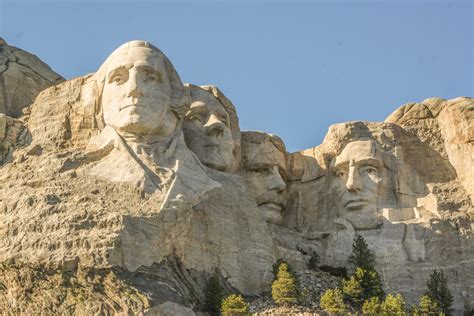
(359, 178)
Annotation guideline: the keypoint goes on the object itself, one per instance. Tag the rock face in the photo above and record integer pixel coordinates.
(124, 191)
(22, 77)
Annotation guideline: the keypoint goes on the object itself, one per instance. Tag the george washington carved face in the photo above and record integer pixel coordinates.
(136, 93)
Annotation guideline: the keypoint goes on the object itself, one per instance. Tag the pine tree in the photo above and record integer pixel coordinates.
(362, 286)
(332, 301)
(437, 289)
(426, 307)
(284, 290)
(276, 267)
(372, 307)
(393, 305)
(361, 256)
(214, 293)
(234, 305)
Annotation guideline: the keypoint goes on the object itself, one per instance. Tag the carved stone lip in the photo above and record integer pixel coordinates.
(212, 145)
(127, 106)
(271, 205)
(356, 203)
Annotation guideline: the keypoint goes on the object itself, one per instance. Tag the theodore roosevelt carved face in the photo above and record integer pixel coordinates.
(359, 178)
(264, 169)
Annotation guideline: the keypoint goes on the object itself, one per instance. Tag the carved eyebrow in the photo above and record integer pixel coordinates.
(369, 161)
(150, 69)
(197, 109)
(340, 165)
(116, 70)
(362, 161)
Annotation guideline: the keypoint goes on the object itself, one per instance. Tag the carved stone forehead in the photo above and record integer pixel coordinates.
(135, 50)
(264, 154)
(359, 150)
(207, 98)
(262, 148)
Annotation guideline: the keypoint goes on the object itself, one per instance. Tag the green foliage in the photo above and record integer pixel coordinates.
(361, 256)
(437, 289)
(426, 307)
(468, 310)
(234, 305)
(214, 293)
(393, 305)
(276, 268)
(362, 286)
(284, 290)
(332, 301)
(372, 307)
(306, 297)
(313, 261)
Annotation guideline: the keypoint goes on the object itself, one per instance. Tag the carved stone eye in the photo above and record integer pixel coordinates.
(117, 79)
(195, 118)
(153, 78)
(340, 174)
(223, 120)
(371, 171)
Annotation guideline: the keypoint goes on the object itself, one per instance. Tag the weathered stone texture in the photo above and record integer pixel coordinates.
(22, 77)
(123, 191)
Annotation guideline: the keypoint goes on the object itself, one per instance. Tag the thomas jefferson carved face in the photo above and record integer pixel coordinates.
(207, 131)
(264, 171)
(136, 94)
(358, 180)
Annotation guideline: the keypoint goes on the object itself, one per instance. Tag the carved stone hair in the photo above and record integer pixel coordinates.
(256, 137)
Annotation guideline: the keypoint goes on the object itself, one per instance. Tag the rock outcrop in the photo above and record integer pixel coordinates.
(124, 191)
(22, 77)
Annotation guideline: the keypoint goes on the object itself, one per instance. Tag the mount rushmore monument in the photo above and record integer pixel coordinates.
(125, 190)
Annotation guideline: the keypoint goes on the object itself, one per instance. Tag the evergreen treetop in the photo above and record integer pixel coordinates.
(214, 293)
(362, 286)
(437, 289)
(234, 305)
(361, 256)
(284, 290)
(332, 301)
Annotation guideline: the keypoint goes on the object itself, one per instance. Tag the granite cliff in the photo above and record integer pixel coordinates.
(125, 190)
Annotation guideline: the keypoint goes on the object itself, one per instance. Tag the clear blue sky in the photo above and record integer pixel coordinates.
(291, 68)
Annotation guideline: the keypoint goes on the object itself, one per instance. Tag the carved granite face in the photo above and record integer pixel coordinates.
(207, 131)
(358, 180)
(136, 93)
(264, 171)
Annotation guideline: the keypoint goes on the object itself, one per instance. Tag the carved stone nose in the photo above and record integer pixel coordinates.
(276, 182)
(353, 180)
(133, 91)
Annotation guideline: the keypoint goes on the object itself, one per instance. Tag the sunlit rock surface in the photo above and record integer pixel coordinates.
(124, 190)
